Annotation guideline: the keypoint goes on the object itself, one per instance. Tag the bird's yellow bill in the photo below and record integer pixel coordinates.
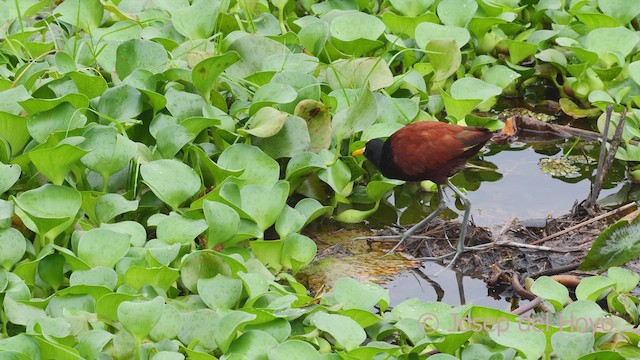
(358, 152)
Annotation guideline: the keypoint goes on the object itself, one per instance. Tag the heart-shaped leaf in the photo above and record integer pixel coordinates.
(171, 181)
(140, 317)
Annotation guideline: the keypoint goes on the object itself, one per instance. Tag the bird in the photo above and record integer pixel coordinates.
(428, 150)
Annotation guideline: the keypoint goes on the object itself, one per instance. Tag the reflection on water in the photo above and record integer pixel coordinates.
(443, 287)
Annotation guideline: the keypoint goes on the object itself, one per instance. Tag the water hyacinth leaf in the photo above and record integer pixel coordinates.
(223, 222)
(220, 292)
(272, 93)
(205, 74)
(109, 206)
(56, 162)
(62, 117)
(412, 8)
(6, 212)
(615, 246)
(356, 32)
(529, 344)
(137, 54)
(552, 291)
(169, 324)
(501, 76)
(14, 130)
(255, 284)
(456, 12)
(12, 247)
(253, 50)
(343, 329)
(140, 317)
(89, 85)
(251, 345)
(445, 56)
(108, 151)
(86, 15)
(202, 265)
(172, 138)
(318, 119)
(263, 204)
(197, 326)
(102, 247)
(471, 88)
(92, 342)
(355, 295)
(427, 31)
(620, 10)
(354, 216)
(572, 345)
(21, 314)
(134, 229)
(96, 276)
(48, 210)
(266, 122)
(292, 139)
(358, 73)
(162, 277)
(51, 270)
(297, 251)
(306, 86)
(357, 117)
(198, 21)
(314, 36)
(604, 41)
(291, 349)
(594, 288)
(290, 221)
(178, 229)
(626, 280)
(171, 181)
(259, 168)
(34, 106)
(122, 102)
(9, 175)
(162, 252)
(303, 164)
(268, 252)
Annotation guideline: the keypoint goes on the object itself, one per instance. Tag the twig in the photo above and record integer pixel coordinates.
(604, 164)
(586, 222)
(539, 248)
(524, 308)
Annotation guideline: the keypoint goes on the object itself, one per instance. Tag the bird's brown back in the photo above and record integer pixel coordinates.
(433, 150)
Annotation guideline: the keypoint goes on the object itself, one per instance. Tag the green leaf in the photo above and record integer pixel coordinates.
(572, 345)
(259, 168)
(62, 117)
(178, 229)
(344, 330)
(9, 175)
(531, 344)
(266, 122)
(355, 295)
(223, 222)
(56, 162)
(457, 12)
(445, 57)
(12, 247)
(357, 117)
(171, 181)
(48, 210)
(427, 31)
(109, 206)
(108, 151)
(86, 14)
(552, 291)
(252, 345)
(140, 317)
(205, 74)
(626, 280)
(291, 140)
(594, 288)
(220, 292)
(198, 21)
(137, 54)
(292, 349)
(102, 247)
(615, 246)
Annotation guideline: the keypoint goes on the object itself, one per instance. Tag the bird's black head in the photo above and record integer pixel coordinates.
(373, 151)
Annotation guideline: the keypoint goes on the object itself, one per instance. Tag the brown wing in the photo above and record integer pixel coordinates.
(434, 150)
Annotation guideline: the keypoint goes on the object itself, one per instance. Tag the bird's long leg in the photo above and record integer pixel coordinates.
(422, 223)
(463, 226)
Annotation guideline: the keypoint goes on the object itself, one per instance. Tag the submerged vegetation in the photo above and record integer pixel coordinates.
(159, 159)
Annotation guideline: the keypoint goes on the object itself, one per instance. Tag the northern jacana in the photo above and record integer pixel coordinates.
(428, 150)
